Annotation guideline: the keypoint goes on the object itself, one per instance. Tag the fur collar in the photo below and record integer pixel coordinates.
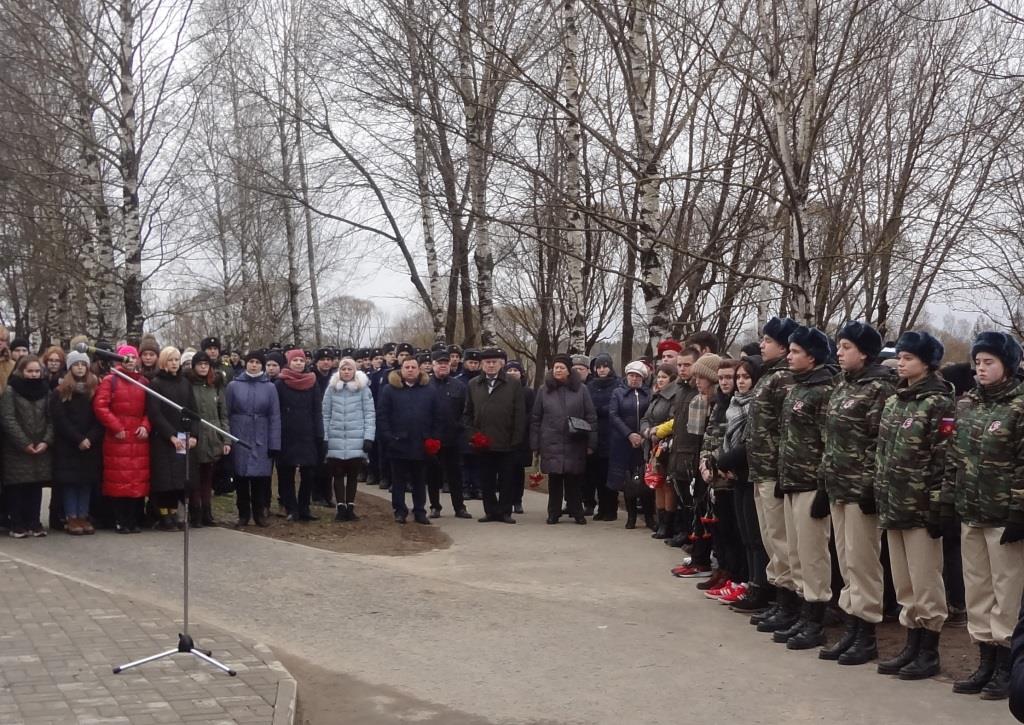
(395, 379)
(358, 383)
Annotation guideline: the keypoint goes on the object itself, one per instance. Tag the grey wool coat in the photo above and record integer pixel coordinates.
(561, 452)
(25, 422)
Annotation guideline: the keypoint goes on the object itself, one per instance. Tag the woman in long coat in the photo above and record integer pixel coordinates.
(28, 435)
(167, 453)
(302, 434)
(255, 417)
(596, 494)
(626, 444)
(563, 454)
(208, 390)
(349, 425)
(121, 408)
(77, 443)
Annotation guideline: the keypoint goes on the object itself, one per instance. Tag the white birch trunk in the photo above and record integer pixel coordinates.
(131, 242)
(574, 233)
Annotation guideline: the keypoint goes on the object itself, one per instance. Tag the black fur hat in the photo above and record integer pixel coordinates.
(1001, 345)
(864, 336)
(779, 329)
(923, 346)
(813, 341)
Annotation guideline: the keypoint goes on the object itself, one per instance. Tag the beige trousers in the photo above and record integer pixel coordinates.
(993, 581)
(916, 560)
(858, 545)
(807, 542)
(772, 519)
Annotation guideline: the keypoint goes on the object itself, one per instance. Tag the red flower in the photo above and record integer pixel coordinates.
(535, 479)
(480, 441)
(947, 427)
(431, 446)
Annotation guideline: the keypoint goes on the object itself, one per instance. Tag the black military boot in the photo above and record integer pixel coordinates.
(974, 684)
(843, 643)
(906, 655)
(649, 520)
(630, 512)
(926, 664)
(798, 617)
(786, 614)
(864, 648)
(998, 687)
(812, 634)
(773, 607)
(341, 513)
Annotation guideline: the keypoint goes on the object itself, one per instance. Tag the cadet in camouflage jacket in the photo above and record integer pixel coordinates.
(913, 435)
(985, 464)
(803, 427)
(851, 432)
(764, 425)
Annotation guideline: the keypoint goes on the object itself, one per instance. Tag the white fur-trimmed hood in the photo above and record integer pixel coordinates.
(359, 382)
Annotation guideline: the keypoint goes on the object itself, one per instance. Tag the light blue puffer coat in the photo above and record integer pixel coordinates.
(349, 418)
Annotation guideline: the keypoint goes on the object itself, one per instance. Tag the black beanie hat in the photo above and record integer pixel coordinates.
(563, 358)
(439, 355)
(278, 357)
(923, 346)
(864, 336)
(254, 355)
(1001, 345)
(813, 341)
(201, 357)
(20, 342)
(779, 329)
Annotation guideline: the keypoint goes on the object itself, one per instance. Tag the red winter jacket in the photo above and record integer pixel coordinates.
(121, 406)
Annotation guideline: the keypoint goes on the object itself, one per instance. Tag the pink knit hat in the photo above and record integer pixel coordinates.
(126, 350)
(292, 354)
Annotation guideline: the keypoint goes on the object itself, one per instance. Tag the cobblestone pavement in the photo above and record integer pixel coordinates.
(60, 638)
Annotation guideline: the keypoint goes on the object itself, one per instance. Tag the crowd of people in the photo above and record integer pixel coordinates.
(806, 472)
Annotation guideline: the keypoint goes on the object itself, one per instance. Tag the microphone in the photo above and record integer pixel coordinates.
(99, 352)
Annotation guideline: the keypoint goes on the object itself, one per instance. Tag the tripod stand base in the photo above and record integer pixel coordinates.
(185, 646)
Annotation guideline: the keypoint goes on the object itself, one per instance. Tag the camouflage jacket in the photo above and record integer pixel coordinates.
(851, 432)
(763, 426)
(985, 463)
(713, 437)
(802, 441)
(910, 459)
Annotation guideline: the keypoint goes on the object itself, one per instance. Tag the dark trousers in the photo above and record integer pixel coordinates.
(202, 495)
(322, 486)
(496, 471)
(518, 483)
(750, 533)
(446, 468)
(725, 536)
(595, 487)
(345, 474)
(471, 475)
(286, 487)
(24, 501)
(567, 485)
(408, 473)
(127, 512)
(252, 496)
(953, 564)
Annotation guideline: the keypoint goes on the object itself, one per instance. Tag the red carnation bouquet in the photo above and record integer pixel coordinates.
(431, 446)
(480, 441)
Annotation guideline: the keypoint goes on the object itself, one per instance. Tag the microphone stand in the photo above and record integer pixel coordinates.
(186, 645)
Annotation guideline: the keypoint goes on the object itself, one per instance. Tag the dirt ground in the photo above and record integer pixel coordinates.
(374, 533)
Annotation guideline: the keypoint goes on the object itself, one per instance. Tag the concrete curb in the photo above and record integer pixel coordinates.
(287, 687)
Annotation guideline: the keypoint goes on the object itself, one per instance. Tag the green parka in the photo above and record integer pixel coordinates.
(913, 436)
(802, 439)
(210, 405)
(985, 464)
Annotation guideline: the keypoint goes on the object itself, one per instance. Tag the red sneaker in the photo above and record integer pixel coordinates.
(734, 594)
(716, 592)
(694, 571)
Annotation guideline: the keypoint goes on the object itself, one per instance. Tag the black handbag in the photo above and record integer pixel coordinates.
(579, 427)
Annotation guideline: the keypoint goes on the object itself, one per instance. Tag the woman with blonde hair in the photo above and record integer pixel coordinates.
(172, 436)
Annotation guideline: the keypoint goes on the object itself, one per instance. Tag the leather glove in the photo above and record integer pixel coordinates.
(367, 446)
(867, 503)
(777, 492)
(934, 529)
(1012, 533)
(820, 508)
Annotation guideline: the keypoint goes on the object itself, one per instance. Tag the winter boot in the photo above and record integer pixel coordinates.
(905, 657)
(662, 530)
(630, 512)
(342, 514)
(786, 613)
(352, 516)
(799, 616)
(998, 687)
(774, 598)
(649, 520)
(864, 648)
(845, 642)
(207, 514)
(812, 634)
(755, 600)
(926, 664)
(974, 684)
(195, 517)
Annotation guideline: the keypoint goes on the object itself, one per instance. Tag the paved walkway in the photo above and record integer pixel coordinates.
(59, 639)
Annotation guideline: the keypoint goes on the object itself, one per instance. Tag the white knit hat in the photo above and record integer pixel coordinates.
(638, 367)
(76, 357)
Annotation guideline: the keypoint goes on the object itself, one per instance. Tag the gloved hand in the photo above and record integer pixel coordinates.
(367, 446)
(867, 503)
(819, 507)
(1012, 533)
(777, 492)
(934, 529)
